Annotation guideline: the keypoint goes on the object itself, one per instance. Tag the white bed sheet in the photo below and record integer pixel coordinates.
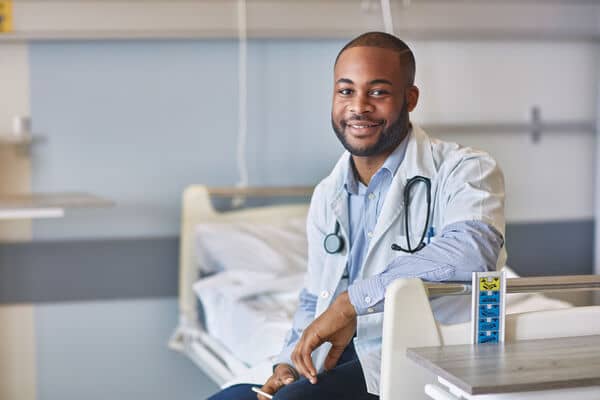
(258, 269)
(249, 313)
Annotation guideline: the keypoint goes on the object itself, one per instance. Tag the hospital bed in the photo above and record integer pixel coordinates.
(239, 277)
(240, 273)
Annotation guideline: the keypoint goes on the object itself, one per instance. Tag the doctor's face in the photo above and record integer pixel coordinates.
(371, 101)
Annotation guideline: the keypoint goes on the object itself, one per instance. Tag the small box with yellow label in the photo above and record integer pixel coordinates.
(488, 302)
(6, 16)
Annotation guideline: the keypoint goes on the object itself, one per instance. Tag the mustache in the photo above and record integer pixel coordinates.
(356, 118)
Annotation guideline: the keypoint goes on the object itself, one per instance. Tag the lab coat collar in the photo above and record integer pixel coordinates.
(418, 160)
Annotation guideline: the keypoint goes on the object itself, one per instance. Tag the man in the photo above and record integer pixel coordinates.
(358, 220)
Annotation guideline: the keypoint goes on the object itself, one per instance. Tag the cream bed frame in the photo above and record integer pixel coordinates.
(408, 319)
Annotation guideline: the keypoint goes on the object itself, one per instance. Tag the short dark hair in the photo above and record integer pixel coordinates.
(385, 41)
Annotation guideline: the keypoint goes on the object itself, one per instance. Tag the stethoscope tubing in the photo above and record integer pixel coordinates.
(334, 242)
(406, 198)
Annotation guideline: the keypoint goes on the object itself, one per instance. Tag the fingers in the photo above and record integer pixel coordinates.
(281, 377)
(301, 356)
(284, 374)
(269, 387)
(333, 356)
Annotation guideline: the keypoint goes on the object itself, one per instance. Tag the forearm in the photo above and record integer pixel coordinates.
(461, 249)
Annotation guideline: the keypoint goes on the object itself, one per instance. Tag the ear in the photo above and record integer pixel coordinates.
(412, 97)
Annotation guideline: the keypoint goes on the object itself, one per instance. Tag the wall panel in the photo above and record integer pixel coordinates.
(14, 100)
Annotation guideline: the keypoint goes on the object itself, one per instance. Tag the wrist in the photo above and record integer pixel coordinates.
(346, 307)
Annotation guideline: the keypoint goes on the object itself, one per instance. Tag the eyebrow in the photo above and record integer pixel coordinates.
(383, 81)
(373, 82)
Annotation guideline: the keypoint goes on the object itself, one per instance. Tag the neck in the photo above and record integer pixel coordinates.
(365, 167)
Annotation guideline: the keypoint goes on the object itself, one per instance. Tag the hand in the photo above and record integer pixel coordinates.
(282, 375)
(337, 326)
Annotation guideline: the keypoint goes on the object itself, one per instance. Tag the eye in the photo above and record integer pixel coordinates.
(345, 92)
(379, 92)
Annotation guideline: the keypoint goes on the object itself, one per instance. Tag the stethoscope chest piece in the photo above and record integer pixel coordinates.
(334, 242)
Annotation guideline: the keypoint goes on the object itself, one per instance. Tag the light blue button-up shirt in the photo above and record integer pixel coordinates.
(365, 204)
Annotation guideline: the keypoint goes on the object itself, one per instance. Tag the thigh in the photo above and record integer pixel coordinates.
(346, 381)
(236, 392)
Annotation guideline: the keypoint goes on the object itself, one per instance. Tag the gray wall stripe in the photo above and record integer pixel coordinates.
(88, 270)
(551, 248)
(136, 268)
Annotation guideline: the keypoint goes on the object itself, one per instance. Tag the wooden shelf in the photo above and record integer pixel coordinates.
(40, 205)
(24, 139)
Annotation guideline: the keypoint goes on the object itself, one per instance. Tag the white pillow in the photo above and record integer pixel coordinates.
(275, 248)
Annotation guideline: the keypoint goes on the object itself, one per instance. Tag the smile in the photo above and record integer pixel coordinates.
(361, 124)
(356, 126)
(363, 128)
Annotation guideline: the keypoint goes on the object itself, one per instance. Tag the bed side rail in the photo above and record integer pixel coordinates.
(558, 283)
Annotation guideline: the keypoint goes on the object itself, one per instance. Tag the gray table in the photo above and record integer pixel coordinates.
(531, 365)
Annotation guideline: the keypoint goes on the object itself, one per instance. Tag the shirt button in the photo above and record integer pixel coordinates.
(367, 300)
(370, 309)
(324, 294)
(370, 234)
(372, 196)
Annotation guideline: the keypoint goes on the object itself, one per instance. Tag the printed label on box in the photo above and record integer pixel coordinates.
(6, 19)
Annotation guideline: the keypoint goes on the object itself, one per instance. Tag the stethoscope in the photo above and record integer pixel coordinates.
(334, 242)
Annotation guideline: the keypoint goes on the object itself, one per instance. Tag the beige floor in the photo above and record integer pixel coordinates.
(17, 353)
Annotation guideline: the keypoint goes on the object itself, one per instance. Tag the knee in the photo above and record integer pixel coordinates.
(235, 392)
(294, 391)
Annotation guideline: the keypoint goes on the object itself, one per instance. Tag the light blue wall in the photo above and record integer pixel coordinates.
(113, 350)
(138, 121)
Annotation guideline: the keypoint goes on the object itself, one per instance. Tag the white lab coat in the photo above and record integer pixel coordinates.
(466, 185)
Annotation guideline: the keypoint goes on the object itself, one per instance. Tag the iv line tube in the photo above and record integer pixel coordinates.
(242, 100)
(388, 22)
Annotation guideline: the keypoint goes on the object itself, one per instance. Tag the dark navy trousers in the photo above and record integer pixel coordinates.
(345, 381)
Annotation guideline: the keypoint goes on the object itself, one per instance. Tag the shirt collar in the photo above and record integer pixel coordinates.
(390, 165)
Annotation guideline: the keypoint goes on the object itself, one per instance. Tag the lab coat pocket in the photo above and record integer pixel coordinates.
(369, 326)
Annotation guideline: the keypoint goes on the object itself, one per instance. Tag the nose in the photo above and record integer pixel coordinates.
(360, 104)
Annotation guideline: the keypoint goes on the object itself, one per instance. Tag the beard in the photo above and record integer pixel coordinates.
(389, 138)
